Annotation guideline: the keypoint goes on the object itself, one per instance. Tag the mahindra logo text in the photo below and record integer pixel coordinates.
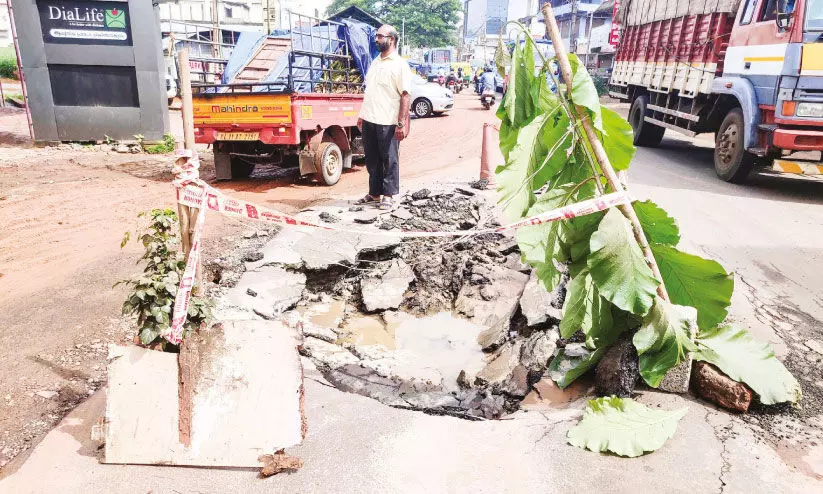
(233, 109)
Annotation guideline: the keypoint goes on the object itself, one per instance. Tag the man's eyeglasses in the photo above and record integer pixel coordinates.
(381, 37)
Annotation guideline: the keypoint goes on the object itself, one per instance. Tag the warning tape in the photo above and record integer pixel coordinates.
(198, 194)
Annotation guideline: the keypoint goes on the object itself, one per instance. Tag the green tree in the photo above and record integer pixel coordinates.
(428, 22)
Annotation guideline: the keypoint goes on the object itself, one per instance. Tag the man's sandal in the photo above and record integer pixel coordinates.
(367, 199)
(385, 204)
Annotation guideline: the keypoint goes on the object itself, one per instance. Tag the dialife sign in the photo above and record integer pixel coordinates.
(84, 22)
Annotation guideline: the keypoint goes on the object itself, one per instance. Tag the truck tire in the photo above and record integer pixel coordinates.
(241, 168)
(732, 162)
(645, 133)
(329, 161)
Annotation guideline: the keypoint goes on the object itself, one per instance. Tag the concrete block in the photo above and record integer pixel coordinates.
(239, 398)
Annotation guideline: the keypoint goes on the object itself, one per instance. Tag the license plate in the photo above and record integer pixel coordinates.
(237, 136)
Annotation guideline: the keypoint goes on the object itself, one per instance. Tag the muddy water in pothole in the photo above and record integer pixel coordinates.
(433, 348)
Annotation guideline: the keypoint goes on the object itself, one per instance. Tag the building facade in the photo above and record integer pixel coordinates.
(5, 25)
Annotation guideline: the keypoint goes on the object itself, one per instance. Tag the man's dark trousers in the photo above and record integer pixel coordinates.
(382, 162)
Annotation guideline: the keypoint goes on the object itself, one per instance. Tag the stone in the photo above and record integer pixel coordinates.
(538, 350)
(121, 148)
(492, 406)
(500, 367)
(617, 372)
(515, 262)
(318, 332)
(518, 382)
(367, 217)
(465, 192)
(402, 214)
(711, 384)
(676, 380)
(253, 256)
(815, 346)
(328, 354)
(356, 209)
(539, 305)
(47, 394)
(421, 194)
(431, 401)
(386, 291)
(494, 314)
(327, 217)
(420, 203)
(250, 292)
(277, 290)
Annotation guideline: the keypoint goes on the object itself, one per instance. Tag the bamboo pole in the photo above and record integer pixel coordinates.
(187, 215)
(599, 152)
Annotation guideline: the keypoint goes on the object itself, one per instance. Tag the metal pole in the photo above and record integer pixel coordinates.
(600, 152)
(403, 37)
(215, 36)
(20, 70)
(268, 16)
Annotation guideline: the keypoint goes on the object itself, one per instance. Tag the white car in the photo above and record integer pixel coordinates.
(428, 98)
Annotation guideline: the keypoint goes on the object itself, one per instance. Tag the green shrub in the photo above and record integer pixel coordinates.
(152, 292)
(167, 146)
(8, 63)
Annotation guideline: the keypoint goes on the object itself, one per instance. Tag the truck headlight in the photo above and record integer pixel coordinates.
(809, 110)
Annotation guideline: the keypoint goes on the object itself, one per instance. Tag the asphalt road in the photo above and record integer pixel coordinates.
(768, 233)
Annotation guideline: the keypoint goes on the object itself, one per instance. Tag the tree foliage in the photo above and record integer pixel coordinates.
(428, 22)
(548, 164)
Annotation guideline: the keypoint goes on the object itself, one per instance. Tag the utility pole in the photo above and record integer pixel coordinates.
(268, 17)
(403, 38)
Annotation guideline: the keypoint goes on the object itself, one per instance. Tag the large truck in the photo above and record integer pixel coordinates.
(288, 100)
(749, 71)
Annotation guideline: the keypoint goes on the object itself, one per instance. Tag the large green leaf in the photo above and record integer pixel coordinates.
(623, 427)
(540, 244)
(617, 139)
(585, 310)
(571, 363)
(700, 283)
(663, 339)
(583, 93)
(529, 164)
(744, 359)
(659, 227)
(508, 138)
(618, 267)
(518, 103)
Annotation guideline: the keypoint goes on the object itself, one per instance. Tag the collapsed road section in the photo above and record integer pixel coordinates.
(454, 326)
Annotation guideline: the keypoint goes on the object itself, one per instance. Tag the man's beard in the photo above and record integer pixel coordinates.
(383, 45)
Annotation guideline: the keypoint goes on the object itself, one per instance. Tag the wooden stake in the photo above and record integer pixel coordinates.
(599, 152)
(187, 215)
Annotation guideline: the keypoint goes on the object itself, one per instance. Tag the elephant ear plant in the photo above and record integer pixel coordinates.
(549, 163)
(152, 293)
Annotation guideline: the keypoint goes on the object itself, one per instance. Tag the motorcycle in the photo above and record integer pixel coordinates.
(487, 99)
(454, 86)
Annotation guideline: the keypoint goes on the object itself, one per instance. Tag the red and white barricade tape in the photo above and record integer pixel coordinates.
(198, 194)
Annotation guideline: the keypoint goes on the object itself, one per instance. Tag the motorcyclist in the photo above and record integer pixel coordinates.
(487, 81)
(451, 78)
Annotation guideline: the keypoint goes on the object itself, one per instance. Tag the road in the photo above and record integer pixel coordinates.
(766, 232)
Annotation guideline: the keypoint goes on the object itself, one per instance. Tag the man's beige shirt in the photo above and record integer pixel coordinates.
(388, 78)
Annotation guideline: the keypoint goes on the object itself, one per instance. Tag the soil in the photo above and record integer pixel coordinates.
(64, 212)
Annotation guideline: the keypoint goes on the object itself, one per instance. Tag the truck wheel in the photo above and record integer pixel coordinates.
(645, 133)
(422, 107)
(329, 160)
(732, 162)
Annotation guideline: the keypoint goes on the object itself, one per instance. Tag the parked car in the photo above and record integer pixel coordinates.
(428, 98)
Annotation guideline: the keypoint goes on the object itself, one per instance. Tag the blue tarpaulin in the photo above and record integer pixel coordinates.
(358, 36)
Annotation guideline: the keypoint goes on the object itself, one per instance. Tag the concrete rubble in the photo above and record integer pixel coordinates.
(711, 384)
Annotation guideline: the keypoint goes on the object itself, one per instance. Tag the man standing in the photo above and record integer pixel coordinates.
(384, 118)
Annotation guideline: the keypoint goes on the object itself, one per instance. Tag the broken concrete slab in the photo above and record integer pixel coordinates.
(247, 373)
(502, 364)
(494, 313)
(538, 349)
(276, 290)
(711, 384)
(538, 304)
(328, 354)
(321, 249)
(386, 291)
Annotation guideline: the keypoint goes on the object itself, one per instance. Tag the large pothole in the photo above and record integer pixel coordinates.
(450, 325)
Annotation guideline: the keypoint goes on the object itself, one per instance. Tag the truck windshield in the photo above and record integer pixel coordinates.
(814, 15)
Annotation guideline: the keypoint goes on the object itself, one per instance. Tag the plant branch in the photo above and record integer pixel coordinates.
(600, 153)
